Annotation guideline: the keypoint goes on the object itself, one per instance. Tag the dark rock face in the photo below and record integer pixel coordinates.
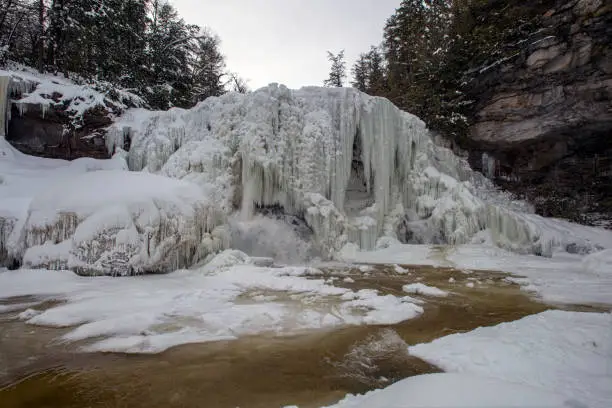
(545, 115)
(51, 133)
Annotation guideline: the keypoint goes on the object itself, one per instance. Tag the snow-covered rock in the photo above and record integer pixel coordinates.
(354, 167)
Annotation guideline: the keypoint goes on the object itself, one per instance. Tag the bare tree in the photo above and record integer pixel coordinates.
(236, 83)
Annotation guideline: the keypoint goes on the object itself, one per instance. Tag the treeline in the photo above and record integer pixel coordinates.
(431, 50)
(140, 45)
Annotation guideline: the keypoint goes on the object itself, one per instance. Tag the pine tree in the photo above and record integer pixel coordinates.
(337, 73)
(361, 73)
(208, 67)
(170, 42)
(376, 72)
(415, 43)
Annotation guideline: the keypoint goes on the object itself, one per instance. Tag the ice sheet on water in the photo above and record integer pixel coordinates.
(148, 314)
(422, 289)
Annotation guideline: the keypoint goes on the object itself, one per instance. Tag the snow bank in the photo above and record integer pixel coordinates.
(455, 390)
(567, 353)
(354, 167)
(422, 289)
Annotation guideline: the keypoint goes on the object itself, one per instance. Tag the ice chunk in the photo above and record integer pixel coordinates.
(422, 289)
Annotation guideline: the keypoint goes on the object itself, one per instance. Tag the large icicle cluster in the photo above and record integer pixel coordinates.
(354, 167)
(96, 218)
(120, 223)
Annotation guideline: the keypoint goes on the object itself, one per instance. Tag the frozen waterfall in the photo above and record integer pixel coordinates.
(354, 167)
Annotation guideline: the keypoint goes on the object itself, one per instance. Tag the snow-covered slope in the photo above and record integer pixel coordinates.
(354, 167)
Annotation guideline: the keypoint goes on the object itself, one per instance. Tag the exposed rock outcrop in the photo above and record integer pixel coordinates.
(543, 114)
(51, 134)
(53, 117)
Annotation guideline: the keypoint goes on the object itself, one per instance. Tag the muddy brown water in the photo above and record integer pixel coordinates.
(308, 370)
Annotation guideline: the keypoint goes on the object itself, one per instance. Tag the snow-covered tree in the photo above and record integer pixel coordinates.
(337, 72)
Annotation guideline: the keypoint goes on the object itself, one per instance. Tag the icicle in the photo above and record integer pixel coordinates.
(5, 107)
(489, 165)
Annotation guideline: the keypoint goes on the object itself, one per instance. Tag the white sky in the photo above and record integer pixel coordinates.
(286, 41)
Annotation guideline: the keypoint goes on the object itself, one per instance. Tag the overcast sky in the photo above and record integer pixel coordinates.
(286, 41)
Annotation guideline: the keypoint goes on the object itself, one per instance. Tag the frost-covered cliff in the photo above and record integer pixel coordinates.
(354, 167)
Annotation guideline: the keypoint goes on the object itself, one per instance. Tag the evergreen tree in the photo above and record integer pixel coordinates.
(170, 44)
(376, 72)
(415, 43)
(337, 73)
(208, 67)
(142, 45)
(369, 72)
(361, 73)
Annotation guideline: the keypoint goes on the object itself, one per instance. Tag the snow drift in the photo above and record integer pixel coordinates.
(353, 167)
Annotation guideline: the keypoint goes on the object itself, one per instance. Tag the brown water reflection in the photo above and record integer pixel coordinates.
(308, 370)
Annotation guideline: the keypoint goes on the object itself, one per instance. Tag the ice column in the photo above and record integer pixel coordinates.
(5, 82)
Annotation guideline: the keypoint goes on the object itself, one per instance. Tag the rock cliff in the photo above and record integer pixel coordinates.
(541, 115)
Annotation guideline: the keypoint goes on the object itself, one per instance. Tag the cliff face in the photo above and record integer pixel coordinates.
(543, 114)
(52, 134)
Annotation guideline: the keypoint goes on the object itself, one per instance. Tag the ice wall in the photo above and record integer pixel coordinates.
(119, 223)
(320, 154)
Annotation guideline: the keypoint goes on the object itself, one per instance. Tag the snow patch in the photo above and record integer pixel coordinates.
(567, 353)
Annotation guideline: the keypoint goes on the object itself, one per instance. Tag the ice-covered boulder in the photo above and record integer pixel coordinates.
(354, 167)
(119, 223)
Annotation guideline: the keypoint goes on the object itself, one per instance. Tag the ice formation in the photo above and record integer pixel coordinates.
(94, 217)
(120, 223)
(355, 168)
